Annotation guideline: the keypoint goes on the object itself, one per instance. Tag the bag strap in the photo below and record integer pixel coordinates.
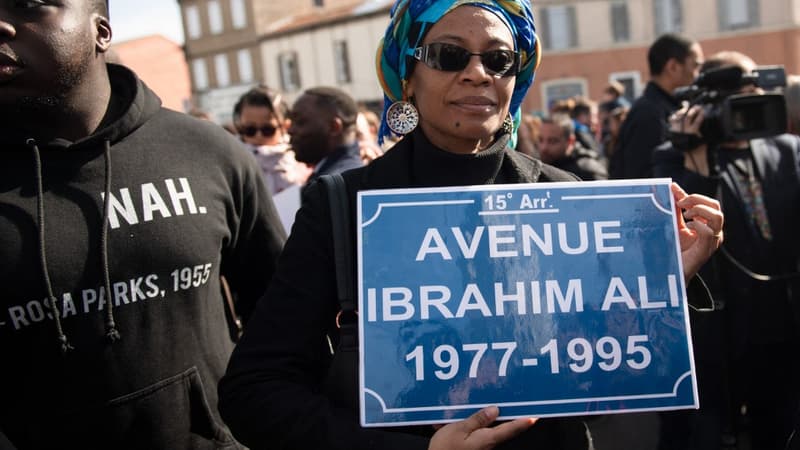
(342, 241)
(346, 320)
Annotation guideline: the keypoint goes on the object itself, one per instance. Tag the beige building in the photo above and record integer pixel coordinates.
(224, 51)
(590, 42)
(296, 44)
(221, 46)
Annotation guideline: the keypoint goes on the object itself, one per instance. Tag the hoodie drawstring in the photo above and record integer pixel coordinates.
(62, 338)
(112, 334)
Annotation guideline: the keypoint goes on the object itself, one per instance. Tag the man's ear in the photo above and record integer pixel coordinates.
(672, 67)
(102, 39)
(336, 126)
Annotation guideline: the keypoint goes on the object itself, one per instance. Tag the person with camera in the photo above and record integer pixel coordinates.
(673, 61)
(746, 348)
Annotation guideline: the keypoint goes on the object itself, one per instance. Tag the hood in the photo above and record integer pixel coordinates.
(136, 101)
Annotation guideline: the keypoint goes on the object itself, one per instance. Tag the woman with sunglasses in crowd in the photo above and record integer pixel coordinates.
(454, 73)
(259, 119)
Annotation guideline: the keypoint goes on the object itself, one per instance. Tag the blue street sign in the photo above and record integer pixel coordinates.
(545, 299)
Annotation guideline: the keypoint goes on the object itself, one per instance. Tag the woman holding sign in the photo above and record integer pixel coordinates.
(454, 74)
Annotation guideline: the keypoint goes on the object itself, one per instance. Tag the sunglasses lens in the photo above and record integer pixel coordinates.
(500, 62)
(451, 58)
(266, 131)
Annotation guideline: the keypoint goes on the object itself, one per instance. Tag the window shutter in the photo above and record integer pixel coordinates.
(722, 14)
(676, 21)
(544, 26)
(573, 27)
(755, 12)
(619, 21)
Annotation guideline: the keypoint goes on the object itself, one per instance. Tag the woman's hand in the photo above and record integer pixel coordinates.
(701, 237)
(474, 433)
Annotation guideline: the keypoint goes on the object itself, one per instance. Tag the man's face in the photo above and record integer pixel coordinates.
(690, 67)
(310, 130)
(553, 145)
(46, 47)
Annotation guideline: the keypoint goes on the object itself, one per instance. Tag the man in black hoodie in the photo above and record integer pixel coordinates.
(117, 219)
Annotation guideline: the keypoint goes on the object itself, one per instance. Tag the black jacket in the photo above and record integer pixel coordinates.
(187, 204)
(643, 130)
(271, 394)
(584, 163)
(344, 158)
(761, 312)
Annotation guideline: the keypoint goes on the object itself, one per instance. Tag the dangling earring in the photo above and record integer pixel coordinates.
(402, 117)
(508, 124)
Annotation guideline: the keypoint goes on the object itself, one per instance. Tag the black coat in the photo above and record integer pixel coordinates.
(272, 392)
(643, 130)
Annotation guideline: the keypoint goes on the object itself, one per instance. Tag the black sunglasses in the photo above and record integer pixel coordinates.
(250, 131)
(453, 58)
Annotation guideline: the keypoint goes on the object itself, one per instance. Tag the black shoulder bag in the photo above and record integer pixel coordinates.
(341, 384)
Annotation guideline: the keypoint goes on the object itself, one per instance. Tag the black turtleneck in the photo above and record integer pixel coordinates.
(434, 167)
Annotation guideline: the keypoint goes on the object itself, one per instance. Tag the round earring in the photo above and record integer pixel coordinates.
(402, 117)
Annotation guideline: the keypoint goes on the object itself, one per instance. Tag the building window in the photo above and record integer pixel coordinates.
(290, 73)
(632, 80)
(562, 89)
(214, 17)
(620, 25)
(193, 27)
(736, 14)
(200, 74)
(222, 70)
(668, 16)
(238, 14)
(559, 29)
(342, 62)
(245, 63)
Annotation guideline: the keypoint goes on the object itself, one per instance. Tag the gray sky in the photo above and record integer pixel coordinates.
(136, 18)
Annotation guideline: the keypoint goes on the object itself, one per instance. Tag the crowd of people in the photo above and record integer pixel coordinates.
(134, 238)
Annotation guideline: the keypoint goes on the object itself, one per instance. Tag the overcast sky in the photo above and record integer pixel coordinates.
(136, 18)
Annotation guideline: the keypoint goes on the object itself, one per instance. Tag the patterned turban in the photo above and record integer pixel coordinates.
(412, 19)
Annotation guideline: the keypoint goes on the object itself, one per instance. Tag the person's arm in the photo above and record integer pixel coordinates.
(686, 166)
(642, 131)
(250, 257)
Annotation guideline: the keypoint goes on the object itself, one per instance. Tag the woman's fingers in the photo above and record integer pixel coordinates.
(475, 433)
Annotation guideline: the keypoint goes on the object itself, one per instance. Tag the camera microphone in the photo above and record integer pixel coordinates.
(727, 78)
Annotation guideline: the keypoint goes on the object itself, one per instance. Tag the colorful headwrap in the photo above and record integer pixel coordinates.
(412, 19)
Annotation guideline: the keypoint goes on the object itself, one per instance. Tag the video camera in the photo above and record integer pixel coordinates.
(732, 116)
